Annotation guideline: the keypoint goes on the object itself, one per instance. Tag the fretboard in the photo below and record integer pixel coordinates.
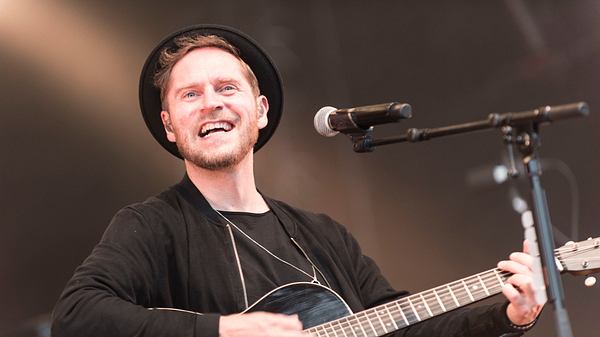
(412, 309)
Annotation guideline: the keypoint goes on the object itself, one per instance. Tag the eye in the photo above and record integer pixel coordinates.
(228, 87)
(190, 94)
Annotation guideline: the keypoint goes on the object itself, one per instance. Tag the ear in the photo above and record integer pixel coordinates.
(262, 109)
(166, 119)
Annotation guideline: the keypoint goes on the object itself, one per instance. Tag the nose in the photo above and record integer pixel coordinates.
(211, 101)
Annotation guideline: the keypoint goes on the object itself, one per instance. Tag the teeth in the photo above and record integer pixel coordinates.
(215, 125)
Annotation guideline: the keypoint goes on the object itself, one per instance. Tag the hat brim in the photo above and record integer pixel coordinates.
(269, 81)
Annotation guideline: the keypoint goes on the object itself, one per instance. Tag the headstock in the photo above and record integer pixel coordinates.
(579, 258)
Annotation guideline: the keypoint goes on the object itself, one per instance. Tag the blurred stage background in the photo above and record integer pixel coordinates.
(75, 149)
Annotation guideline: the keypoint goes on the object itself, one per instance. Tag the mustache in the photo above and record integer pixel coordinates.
(219, 115)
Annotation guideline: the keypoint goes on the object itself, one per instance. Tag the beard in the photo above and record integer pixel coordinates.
(206, 159)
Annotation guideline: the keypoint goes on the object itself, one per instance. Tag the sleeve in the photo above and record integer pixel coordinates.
(480, 321)
(107, 293)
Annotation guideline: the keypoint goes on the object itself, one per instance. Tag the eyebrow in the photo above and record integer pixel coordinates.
(218, 80)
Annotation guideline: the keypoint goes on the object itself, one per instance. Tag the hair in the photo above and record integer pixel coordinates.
(185, 44)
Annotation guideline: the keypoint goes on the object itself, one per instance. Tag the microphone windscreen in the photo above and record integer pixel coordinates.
(321, 122)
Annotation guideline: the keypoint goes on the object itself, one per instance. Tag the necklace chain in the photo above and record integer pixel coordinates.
(312, 277)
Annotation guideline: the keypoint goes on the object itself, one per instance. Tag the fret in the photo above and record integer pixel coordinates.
(360, 326)
(461, 293)
(340, 327)
(380, 320)
(426, 305)
(420, 307)
(446, 297)
(410, 315)
(439, 301)
(385, 318)
(349, 325)
(423, 314)
(331, 328)
(467, 290)
(377, 322)
(453, 296)
(476, 290)
(392, 319)
(430, 298)
(487, 292)
(314, 331)
(498, 277)
(413, 309)
(402, 313)
(370, 323)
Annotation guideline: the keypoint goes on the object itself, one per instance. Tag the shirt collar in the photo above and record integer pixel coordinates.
(190, 192)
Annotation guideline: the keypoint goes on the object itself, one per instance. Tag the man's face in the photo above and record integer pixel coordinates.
(213, 114)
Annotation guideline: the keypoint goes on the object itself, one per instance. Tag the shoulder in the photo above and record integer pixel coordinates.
(156, 215)
(164, 205)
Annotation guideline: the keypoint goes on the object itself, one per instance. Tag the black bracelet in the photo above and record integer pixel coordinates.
(524, 327)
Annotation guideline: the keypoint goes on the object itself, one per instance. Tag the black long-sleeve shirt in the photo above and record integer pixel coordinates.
(175, 251)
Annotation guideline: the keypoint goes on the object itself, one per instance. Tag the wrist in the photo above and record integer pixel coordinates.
(520, 322)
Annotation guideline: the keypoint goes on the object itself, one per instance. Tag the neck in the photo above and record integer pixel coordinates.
(229, 189)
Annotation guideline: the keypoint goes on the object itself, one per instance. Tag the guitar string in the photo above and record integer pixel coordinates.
(404, 305)
(356, 322)
(424, 297)
(460, 294)
(348, 325)
(367, 314)
(382, 312)
(396, 307)
(464, 294)
(594, 243)
(380, 317)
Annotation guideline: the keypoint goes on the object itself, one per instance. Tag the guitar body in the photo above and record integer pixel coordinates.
(314, 304)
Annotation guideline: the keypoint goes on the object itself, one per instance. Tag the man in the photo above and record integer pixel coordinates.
(186, 262)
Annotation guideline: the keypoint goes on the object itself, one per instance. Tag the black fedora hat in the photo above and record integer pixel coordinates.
(261, 64)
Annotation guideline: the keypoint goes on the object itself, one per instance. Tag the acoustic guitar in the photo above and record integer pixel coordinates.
(324, 313)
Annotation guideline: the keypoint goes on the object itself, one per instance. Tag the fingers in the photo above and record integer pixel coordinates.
(519, 288)
(260, 324)
(523, 285)
(512, 294)
(522, 309)
(283, 321)
(514, 267)
(520, 266)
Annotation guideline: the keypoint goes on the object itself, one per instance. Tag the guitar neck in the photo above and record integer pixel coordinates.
(412, 309)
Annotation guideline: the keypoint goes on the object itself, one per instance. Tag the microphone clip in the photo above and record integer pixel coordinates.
(361, 140)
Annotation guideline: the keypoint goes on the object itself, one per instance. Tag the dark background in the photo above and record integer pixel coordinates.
(75, 149)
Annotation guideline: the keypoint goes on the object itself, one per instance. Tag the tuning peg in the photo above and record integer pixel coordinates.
(590, 281)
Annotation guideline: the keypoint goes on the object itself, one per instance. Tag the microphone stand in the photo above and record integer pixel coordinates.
(521, 129)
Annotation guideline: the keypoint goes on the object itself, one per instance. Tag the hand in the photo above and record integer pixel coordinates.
(260, 324)
(518, 289)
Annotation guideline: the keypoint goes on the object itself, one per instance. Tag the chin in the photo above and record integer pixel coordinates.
(225, 159)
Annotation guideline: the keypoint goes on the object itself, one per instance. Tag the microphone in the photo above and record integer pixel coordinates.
(329, 121)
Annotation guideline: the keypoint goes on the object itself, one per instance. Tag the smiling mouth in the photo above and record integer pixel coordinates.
(214, 127)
